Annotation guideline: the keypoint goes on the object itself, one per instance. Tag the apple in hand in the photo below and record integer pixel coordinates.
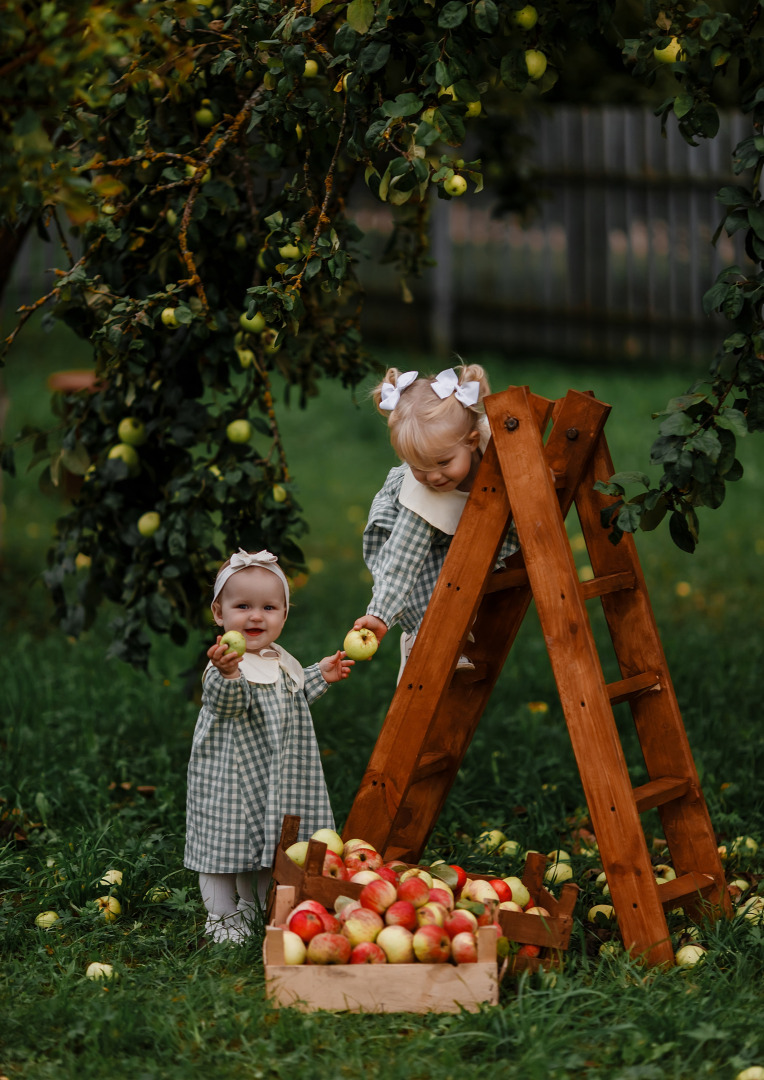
(234, 641)
(360, 644)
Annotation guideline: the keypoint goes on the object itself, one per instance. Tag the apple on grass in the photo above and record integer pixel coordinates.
(397, 943)
(329, 949)
(234, 641)
(46, 919)
(109, 907)
(97, 970)
(432, 944)
(689, 955)
(360, 644)
(529, 950)
(490, 840)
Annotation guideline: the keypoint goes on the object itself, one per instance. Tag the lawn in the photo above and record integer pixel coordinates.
(92, 775)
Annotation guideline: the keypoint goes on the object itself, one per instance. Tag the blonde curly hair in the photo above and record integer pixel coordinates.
(424, 426)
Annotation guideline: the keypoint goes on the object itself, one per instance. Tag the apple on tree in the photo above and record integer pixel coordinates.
(148, 523)
(239, 431)
(132, 431)
(455, 185)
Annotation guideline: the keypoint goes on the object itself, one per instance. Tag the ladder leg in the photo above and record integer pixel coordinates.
(583, 694)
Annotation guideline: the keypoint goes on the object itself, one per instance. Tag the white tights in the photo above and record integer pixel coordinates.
(227, 919)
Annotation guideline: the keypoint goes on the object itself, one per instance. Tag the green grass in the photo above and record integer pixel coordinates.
(80, 737)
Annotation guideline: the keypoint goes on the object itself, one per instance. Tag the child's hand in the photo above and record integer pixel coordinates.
(224, 659)
(371, 622)
(335, 668)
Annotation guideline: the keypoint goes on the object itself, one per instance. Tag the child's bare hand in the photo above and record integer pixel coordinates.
(335, 668)
(224, 659)
(371, 622)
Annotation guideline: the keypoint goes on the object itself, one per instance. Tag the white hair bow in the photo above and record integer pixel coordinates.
(391, 395)
(447, 383)
(241, 559)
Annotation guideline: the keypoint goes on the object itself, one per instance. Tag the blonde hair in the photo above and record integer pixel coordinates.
(424, 426)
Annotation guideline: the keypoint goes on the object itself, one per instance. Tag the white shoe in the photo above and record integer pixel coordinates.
(226, 928)
(464, 664)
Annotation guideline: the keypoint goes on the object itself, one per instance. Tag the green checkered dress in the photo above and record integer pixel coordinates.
(405, 555)
(254, 758)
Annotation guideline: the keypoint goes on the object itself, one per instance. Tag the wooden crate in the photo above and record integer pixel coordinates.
(551, 934)
(377, 988)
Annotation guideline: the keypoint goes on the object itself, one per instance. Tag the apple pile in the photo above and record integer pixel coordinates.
(403, 914)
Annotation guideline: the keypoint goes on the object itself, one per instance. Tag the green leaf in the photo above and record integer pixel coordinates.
(680, 532)
(678, 423)
(733, 420)
(630, 478)
(756, 219)
(628, 518)
(445, 873)
(683, 104)
(486, 16)
(360, 15)
(452, 15)
(404, 105)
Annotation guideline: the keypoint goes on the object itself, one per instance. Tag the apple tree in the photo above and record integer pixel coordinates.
(196, 161)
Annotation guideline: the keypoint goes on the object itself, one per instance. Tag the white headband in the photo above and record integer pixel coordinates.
(391, 395)
(241, 560)
(447, 383)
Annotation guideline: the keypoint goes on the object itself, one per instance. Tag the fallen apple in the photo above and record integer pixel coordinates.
(46, 919)
(753, 1072)
(605, 911)
(689, 955)
(360, 644)
(490, 840)
(235, 642)
(111, 877)
(558, 872)
(97, 970)
(109, 907)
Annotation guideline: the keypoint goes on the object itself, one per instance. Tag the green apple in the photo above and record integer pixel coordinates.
(526, 18)
(509, 849)
(109, 907)
(269, 339)
(46, 919)
(744, 845)
(289, 252)
(670, 54)
(246, 357)
(148, 523)
(455, 185)
(158, 894)
(519, 891)
(204, 116)
(753, 1072)
(132, 431)
(332, 839)
(128, 454)
(298, 852)
(255, 325)
(490, 840)
(111, 877)
(360, 644)
(535, 62)
(689, 955)
(279, 493)
(311, 69)
(606, 910)
(234, 641)
(239, 431)
(474, 108)
(169, 318)
(171, 218)
(240, 242)
(97, 970)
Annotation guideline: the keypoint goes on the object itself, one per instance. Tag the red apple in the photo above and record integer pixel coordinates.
(367, 952)
(348, 910)
(388, 874)
(442, 896)
(378, 895)
(306, 924)
(330, 923)
(329, 949)
(402, 913)
(501, 889)
(485, 918)
(397, 943)
(362, 925)
(307, 905)
(529, 950)
(363, 859)
(432, 945)
(461, 877)
(415, 890)
(334, 867)
(464, 948)
(459, 922)
(431, 913)
(353, 845)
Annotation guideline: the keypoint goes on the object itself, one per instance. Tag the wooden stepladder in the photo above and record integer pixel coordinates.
(435, 710)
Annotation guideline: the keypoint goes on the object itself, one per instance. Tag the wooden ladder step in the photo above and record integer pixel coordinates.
(626, 689)
(657, 792)
(608, 583)
(430, 764)
(506, 579)
(685, 887)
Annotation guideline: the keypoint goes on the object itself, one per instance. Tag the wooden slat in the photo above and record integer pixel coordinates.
(690, 886)
(626, 689)
(507, 579)
(660, 791)
(430, 765)
(608, 583)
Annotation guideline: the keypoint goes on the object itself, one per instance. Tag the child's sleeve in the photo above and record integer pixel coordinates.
(315, 683)
(511, 544)
(226, 698)
(396, 560)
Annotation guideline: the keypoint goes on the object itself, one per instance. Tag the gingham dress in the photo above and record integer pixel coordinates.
(405, 554)
(254, 758)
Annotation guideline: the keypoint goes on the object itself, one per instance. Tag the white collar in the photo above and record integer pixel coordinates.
(265, 669)
(441, 509)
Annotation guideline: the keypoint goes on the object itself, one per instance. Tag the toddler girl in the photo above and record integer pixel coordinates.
(254, 756)
(439, 430)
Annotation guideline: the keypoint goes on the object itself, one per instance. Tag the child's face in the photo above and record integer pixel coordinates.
(454, 469)
(253, 602)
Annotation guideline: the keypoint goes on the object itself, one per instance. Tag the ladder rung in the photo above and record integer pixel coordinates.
(506, 579)
(608, 583)
(657, 792)
(625, 689)
(431, 764)
(686, 887)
